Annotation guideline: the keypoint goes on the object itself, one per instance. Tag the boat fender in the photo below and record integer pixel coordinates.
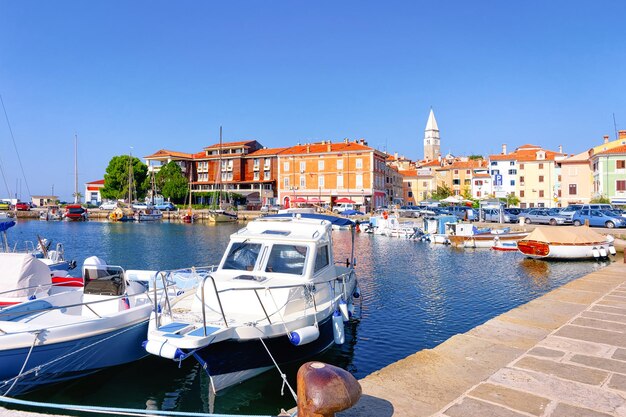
(612, 250)
(338, 329)
(357, 292)
(304, 335)
(603, 252)
(32, 297)
(351, 309)
(343, 308)
(163, 349)
(595, 252)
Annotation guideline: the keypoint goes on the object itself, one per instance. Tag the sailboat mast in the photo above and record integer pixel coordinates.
(220, 171)
(76, 199)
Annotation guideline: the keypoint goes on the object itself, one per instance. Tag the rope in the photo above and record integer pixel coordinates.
(111, 410)
(282, 375)
(25, 362)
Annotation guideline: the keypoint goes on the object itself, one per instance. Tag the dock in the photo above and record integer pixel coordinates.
(560, 355)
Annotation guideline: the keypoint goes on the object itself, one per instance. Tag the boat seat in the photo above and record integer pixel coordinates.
(199, 332)
(173, 327)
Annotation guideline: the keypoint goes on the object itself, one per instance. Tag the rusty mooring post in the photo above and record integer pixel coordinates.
(324, 390)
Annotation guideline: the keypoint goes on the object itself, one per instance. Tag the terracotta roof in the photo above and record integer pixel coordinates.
(464, 165)
(96, 182)
(616, 150)
(482, 175)
(582, 157)
(269, 151)
(243, 143)
(433, 163)
(409, 173)
(165, 152)
(526, 153)
(316, 148)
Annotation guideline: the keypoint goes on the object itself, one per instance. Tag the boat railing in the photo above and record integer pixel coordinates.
(306, 286)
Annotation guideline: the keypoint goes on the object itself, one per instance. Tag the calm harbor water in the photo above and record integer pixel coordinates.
(415, 296)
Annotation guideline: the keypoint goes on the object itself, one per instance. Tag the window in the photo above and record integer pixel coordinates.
(512, 171)
(494, 163)
(521, 180)
(242, 256)
(302, 181)
(339, 164)
(620, 186)
(513, 182)
(540, 193)
(320, 181)
(558, 178)
(339, 181)
(408, 184)
(572, 189)
(410, 194)
(320, 165)
(321, 258)
(456, 182)
(256, 175)
(541, 178)
(256, 162)
(495, 171)
(286, 167)
(521, 193)
(512, 163)
(359, 180)
(620, 164)
(521, 166)
(456, 172)
(286, 182)
(468, 172)
(479, 182)
(302, 166)
(425, 184)
(359, 163)
(467, 181)
(286, 259)
(540, 166)
(266, 175)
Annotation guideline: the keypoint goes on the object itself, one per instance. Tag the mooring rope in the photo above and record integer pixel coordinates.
(112, 410)
(282, 375)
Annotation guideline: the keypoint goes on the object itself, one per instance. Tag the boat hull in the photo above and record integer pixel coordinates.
(486, 240)
(219, 217)
(232, 361)
(80, 356)
(544, 250)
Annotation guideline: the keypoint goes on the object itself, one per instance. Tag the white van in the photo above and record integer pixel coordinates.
(343, 207)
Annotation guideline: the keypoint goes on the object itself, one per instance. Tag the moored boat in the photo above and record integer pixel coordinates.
(567, 242)
(75, 212)
(277, 296)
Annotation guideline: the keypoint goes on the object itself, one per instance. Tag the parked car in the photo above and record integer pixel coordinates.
(514, 210)
(165, 206)
(4, 205)
(140, 206)
(493, 215)
(598, 218)
(22, 206)
(568, 212)
(463, 212)
(108, 205)
(543, 216)
(343, 207)
(270, 209)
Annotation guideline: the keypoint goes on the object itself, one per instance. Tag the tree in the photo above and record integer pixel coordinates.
(116, 179)
(475, 157)
(441, 192)
(511, 200)
(171, 182)
(600, 200)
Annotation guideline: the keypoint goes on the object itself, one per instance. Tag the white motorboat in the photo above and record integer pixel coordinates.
(466, 235)
(73, 333)
(277, 296)
(149, 214)
(388, 225)
(566, 242)
(221, 216)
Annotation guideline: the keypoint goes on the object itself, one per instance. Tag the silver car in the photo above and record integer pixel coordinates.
(544, 217)
(493, 215)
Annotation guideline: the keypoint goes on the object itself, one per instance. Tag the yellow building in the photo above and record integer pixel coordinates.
(458, 175)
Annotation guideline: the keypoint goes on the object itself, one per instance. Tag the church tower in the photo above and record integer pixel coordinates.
(432, 148)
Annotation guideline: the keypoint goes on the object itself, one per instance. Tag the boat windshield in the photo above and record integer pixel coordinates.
(287, 259)
(242, 256)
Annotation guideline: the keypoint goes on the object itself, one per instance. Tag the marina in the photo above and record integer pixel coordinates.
(434, 293)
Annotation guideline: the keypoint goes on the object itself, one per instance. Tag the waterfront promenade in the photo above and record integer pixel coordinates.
(560, 355)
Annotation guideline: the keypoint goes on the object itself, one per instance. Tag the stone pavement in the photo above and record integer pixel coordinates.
(561, 355)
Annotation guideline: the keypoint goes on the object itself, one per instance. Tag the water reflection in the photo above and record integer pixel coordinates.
(536, 269)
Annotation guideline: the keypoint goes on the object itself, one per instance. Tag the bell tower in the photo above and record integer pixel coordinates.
(432, 147)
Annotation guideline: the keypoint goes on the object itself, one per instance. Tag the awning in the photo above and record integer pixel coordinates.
(344, 200)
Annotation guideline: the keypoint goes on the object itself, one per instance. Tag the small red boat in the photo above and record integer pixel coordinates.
(75, 212)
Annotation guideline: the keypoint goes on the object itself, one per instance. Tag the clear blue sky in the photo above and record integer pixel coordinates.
(156, 74)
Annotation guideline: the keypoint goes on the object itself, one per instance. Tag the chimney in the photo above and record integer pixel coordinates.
(560, 148)
(504, 149)
(395, 155)
(308, 148)
(606, 138)
(346, 140)
(621, 134)
(328, 146)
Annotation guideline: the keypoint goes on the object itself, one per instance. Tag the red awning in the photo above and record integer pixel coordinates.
(299, 200)
(344, 200)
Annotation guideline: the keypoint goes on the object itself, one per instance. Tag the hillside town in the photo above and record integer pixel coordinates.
(323, 172)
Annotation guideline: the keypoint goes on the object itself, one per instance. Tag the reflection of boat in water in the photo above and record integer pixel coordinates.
(566, 242)
(537, 269)
(276, 297)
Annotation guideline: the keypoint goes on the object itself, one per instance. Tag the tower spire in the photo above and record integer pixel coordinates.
(432, 146)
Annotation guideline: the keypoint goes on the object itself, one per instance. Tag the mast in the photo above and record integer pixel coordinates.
(76, 199)
(219, 193)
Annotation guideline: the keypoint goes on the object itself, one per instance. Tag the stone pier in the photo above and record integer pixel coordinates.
(561, 355)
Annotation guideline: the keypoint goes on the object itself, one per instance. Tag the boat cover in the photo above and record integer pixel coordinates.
(565, 235)
(337, 221)
(21, 271)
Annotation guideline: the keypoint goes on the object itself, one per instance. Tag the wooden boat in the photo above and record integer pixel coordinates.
(567, 242)
(504, 245)
(485, 240)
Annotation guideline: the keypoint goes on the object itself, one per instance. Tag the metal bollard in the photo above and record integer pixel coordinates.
(324, 390)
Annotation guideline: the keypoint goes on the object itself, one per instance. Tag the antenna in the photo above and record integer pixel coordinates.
(615, 127)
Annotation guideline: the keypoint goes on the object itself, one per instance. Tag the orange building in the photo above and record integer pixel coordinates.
(458, 175)
(325, 172)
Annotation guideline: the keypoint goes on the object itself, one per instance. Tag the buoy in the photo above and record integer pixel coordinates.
(595, 252)
(304, 335)
(343, 308)
(612, 250)
(338, 329)
(163, 349)
(603, 252)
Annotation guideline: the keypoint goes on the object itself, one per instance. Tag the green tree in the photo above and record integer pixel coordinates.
(441, 192)
(511, 200)
(116, 181)
(600, 200)
(171, 182)
(475, 157)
